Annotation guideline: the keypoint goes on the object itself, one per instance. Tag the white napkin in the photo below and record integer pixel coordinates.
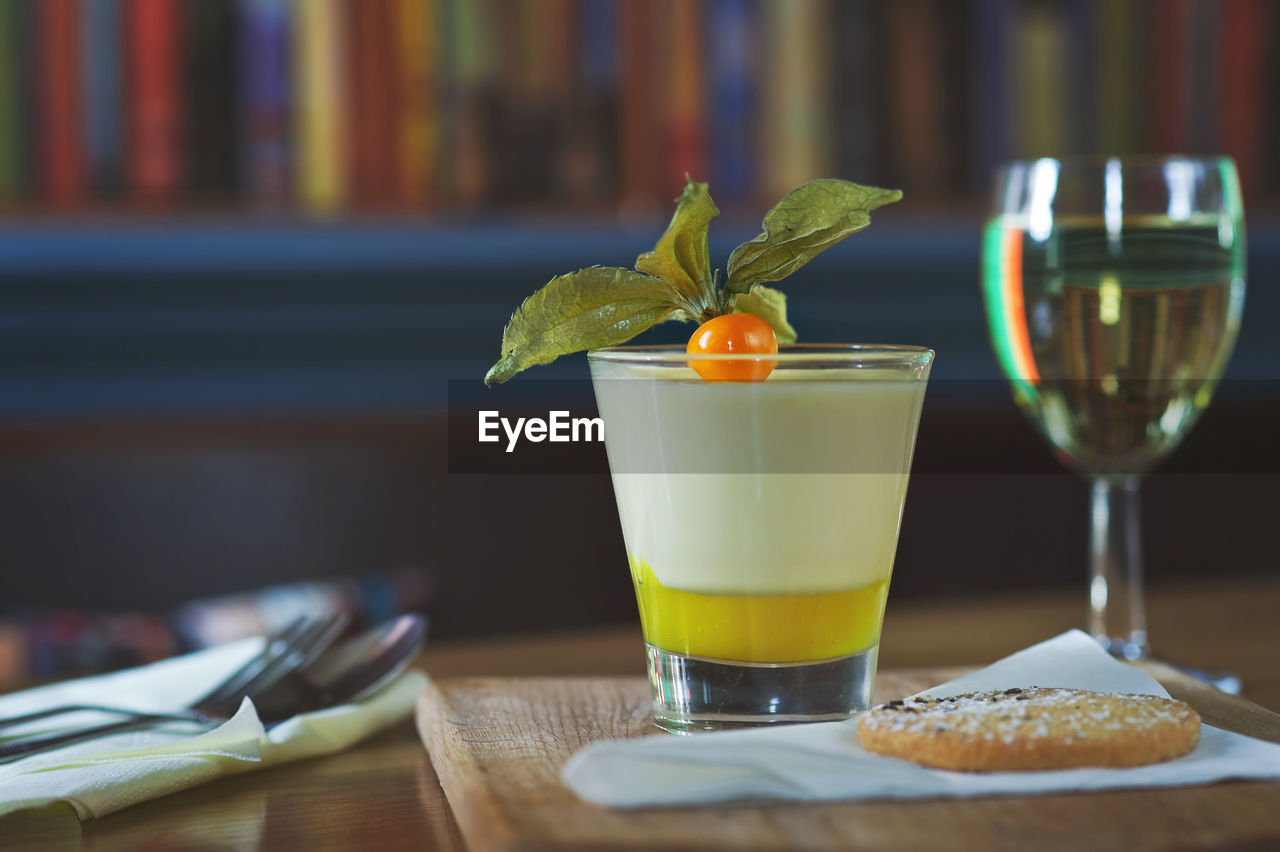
(105, 775)
(824, 761)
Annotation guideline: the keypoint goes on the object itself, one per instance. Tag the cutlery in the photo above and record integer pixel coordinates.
(291, 647)
(348, 671)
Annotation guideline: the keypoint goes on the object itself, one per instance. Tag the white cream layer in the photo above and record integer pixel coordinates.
(784, 487)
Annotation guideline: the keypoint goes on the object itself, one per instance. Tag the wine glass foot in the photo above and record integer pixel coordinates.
(1134, 649)
(1224, 681)
(1133, 652)
(1131, 648)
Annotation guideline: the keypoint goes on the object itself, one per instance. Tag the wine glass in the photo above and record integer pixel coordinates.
(1113, 291)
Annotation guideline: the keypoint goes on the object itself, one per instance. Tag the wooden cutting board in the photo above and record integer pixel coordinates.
(498, 744)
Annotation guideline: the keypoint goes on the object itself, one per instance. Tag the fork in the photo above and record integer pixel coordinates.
(284, 652)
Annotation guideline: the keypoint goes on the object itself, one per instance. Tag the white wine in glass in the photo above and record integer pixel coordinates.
(1113, 292)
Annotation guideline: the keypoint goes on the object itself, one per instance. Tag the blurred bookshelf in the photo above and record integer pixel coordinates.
(596, 108)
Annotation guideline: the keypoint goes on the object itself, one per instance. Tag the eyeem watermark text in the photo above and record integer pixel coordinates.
(558, 428)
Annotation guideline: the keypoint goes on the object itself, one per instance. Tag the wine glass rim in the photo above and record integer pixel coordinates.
(1135, 160)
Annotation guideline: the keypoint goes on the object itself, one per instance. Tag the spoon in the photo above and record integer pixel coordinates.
(345, 672)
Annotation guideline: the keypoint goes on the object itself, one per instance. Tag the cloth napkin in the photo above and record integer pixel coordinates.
(105, 775)
(823, 761)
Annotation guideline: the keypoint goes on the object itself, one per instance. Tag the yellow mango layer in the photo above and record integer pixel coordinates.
(767, 629)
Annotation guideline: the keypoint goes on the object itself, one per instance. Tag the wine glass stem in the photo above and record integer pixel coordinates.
(1117, 613)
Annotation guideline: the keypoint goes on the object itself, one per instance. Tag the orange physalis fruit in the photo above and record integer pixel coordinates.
(745, 333)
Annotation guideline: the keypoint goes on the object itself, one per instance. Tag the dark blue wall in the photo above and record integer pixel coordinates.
(197, 318)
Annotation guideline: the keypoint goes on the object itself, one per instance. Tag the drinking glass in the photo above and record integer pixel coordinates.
(1113, 292)
(761, 521)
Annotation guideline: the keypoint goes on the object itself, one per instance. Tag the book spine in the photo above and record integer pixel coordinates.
(550, 27)
(1240, 99)
(515, 179)
(468, 70)
(638, 155)
(1040, 88)
(731, 49)
(684, 98)
(264, 95)
(61, 164)
(209, 60)
(598, 60)
(992, 137)
(14, 87)
(953, 81)
(320, 107)
(857, 97)
(795, 138)
(1269, 106)
(547, 27)
(1116, 63)
(1205, 67)
(372, 153)
(589, 163)
(915, 99)
(1170, 42)
(682, 102)
(155, 120)
(1080, 17)
(535, 76)
(103, 103)
(416, 106)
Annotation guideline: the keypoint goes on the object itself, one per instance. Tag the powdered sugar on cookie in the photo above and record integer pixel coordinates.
(1033, 728)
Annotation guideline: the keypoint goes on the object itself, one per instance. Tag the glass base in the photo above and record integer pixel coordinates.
(1135, 649)
(692, 694)
(1223, 681)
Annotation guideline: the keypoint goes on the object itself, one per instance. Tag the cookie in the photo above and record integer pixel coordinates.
(1035, 728)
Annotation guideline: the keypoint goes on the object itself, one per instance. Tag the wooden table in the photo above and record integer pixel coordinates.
(384, 794)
